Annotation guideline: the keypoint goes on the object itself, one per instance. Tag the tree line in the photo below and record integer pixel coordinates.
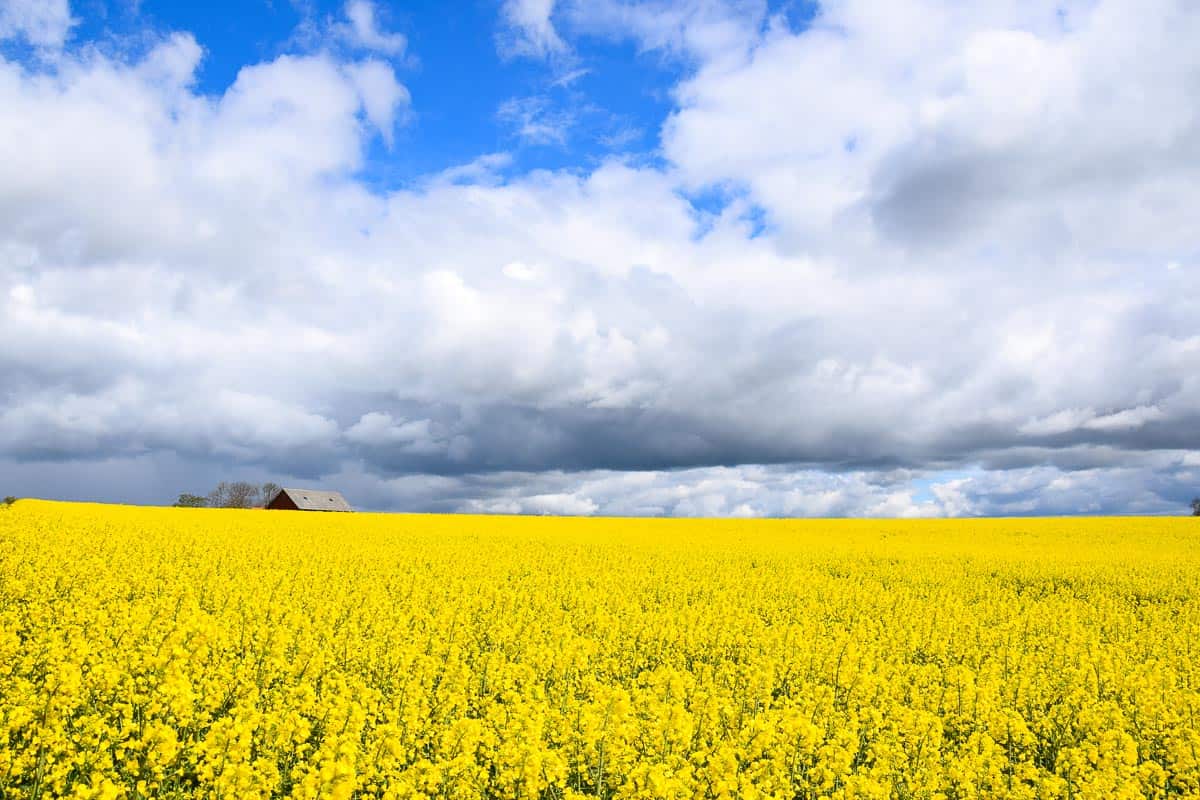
(231, 494)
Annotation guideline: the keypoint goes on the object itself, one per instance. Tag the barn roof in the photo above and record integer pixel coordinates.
(316, 500)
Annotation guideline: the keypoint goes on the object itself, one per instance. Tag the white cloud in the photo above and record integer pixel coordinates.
(569, 77)
(923, 119)
(41, 23)
(559, 503)
(486, 169)
(382, 95)
(1071, 419)
(715, 32)
(622, 137)
(1068, 419)
(363, 30)
(535, 120)
(417, 437)
(380, 428)
(529, 30)
(1127, 419)
(519, 272)
(172, 64)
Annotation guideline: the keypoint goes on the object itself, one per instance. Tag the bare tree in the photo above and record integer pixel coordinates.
(269, 490)
(233, 494)
(219, 496)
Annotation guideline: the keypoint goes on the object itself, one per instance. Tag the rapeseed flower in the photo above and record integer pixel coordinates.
(180, 653)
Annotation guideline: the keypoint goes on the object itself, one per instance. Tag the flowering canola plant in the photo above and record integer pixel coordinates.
(179, 653)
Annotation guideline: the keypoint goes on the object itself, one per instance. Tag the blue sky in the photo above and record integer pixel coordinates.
(689, 257)
(607, 97)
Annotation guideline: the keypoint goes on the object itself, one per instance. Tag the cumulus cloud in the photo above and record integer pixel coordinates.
(958, 126)
(362, 30)
(381, 94)
(40, 23)
(936, 286)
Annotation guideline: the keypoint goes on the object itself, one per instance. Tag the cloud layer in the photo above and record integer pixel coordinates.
(954, 244)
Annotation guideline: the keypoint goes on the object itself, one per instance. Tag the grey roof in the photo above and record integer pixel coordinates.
(317, 500)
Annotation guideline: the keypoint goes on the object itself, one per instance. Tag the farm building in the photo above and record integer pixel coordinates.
(307, 500)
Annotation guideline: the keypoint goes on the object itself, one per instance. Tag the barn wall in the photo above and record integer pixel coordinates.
(282, 503)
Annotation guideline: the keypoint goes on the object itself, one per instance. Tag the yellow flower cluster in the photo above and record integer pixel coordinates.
(172, 653)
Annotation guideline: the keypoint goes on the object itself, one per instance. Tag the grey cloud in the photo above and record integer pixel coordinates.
(1158, 487)
(931, 204)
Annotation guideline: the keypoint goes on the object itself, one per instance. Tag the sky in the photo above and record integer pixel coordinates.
(661, 257)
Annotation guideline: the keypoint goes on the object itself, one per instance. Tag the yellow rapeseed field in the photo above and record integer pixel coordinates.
(177, 653)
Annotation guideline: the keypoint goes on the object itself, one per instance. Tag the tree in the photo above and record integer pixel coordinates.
(190, 501)
(240, 494)
(1196, 507)
(233, 494)
(8, 501)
